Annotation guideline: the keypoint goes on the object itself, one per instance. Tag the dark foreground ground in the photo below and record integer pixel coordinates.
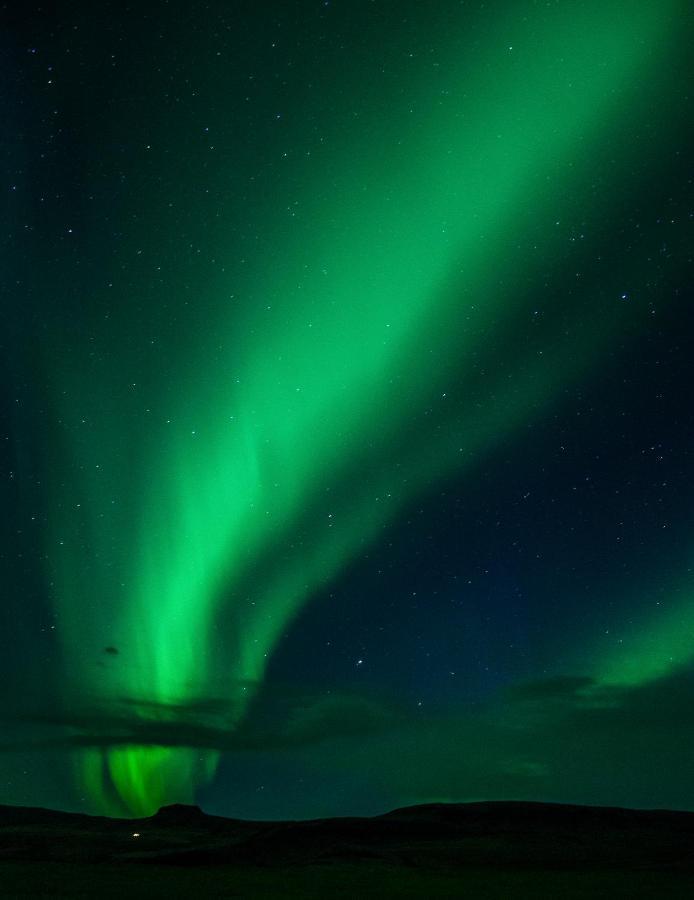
(478, 850)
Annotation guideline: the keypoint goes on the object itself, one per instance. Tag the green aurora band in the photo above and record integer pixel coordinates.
(213, 519)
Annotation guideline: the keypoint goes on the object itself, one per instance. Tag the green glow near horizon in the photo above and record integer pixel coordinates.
(212, 519)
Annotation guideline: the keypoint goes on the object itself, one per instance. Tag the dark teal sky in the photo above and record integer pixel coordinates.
(345, 416)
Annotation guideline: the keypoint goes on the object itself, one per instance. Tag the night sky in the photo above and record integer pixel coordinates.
(346, 420)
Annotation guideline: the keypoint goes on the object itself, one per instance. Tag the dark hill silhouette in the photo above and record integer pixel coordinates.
(431, 841)
(183, 815)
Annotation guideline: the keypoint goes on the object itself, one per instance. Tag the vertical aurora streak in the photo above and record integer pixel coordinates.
(214, 484)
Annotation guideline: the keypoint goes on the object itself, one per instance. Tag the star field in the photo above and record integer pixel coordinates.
(346, 430)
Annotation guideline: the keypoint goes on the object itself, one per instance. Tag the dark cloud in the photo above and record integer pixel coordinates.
(568, 738)
(559, 688)
(341, 717)
(288, 720)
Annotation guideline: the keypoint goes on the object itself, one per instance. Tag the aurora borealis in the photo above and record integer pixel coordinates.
(346, 419)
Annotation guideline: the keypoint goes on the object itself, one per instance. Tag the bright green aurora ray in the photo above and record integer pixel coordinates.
(212, 521)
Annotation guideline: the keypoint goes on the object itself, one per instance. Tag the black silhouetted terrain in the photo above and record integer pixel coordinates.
(436, 850)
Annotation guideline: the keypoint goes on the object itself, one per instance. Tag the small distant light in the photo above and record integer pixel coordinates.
(136, 833)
